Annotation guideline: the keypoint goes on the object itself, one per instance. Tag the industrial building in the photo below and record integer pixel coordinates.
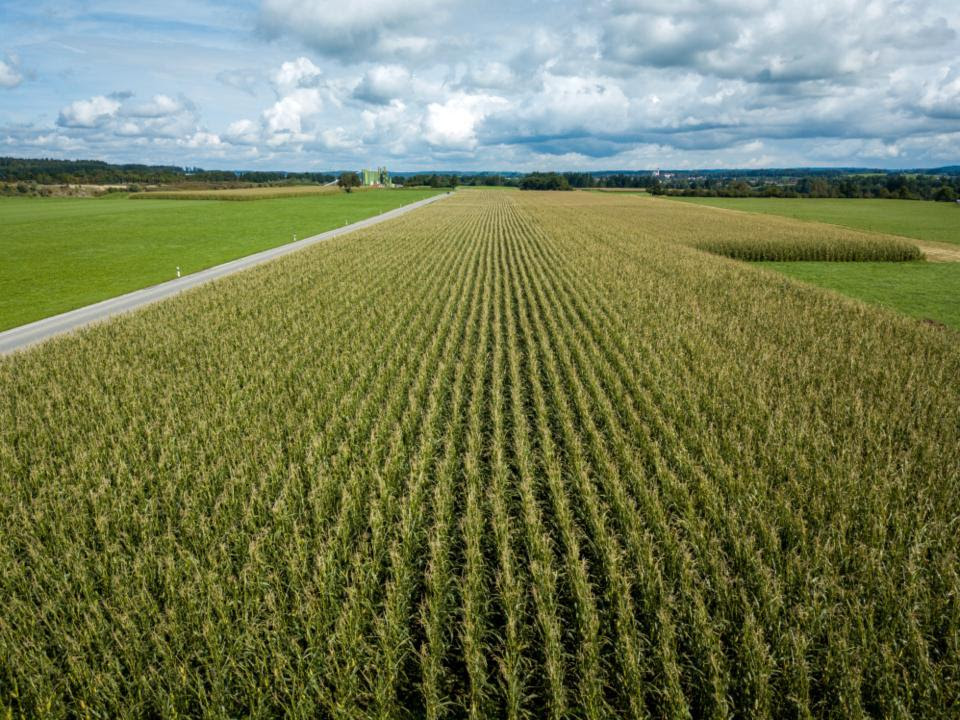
(373, 178)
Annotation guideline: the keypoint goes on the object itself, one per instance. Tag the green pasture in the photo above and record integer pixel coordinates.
(934, 221)
(57, 254)
(925, 290)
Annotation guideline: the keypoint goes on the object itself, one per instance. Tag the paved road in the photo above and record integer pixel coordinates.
(20, 337)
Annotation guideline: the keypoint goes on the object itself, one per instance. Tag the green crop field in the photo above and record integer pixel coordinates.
(62, 253)
(512, 455)
(253, 193)
(933, 221)
(925, 290)
(760, 237)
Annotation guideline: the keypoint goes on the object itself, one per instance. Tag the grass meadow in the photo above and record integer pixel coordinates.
(63, 253)
(933, 221)
(926, 290)
(929, 290)
(513, 455)
(757, 237)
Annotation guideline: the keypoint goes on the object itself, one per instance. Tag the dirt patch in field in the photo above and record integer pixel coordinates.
(940, 252)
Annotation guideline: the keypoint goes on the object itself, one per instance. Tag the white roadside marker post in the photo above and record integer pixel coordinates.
(178, 271)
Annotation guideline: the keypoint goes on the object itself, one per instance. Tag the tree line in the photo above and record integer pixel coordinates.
(28, 175)
(47, 171)
(897, 186)
(819, 183)
(943, 186)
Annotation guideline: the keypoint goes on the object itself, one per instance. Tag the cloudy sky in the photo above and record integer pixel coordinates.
(497, 84)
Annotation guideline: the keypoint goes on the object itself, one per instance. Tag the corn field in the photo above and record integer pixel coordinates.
(515, 455)
(253, 193)
(742, 236)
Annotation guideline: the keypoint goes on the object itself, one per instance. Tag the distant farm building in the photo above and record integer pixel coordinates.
(373, 178)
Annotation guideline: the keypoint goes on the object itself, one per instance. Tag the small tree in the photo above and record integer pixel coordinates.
(348, 180)
(945, 193)
(544, 181)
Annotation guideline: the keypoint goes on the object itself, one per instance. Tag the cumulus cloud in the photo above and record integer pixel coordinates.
(768, 41)
(120, 119)
(383, 83)
(337, 139)
(489, 75)
(95, 112)
(300, 88)
(939, 95)
(158, 106)
(287, 115)
(580, 103)
(299, 73)
(201, 139)
(393, 127)
(601, 83)
(350, 30)
(10, 75)
(453, 124)
(243, 132)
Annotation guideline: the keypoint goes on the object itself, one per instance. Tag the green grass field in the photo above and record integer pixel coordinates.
(59, 254)
(519, 455)
(938, 222)
(921, 289)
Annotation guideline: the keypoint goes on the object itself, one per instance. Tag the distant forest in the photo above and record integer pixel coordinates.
(943, 187)
(22, 176)
(942, 184)
(95, 172)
